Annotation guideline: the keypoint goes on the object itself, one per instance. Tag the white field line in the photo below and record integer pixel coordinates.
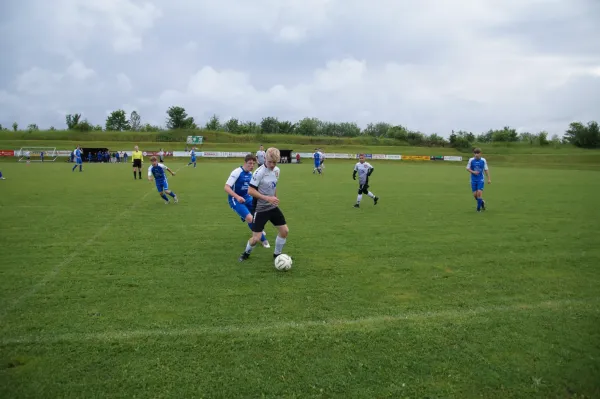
(291, 326)
(67, 260)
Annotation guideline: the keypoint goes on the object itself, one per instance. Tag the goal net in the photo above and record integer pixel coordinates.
(37, 154)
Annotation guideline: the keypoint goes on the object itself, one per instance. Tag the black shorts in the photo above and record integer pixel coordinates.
(363, 189)
(275, 216)
(137, 163)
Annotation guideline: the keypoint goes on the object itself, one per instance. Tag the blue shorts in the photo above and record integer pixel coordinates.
(477, 185)
(79, 161)
(242, 210)
(193, 159)
(317, 164)
(162, 185)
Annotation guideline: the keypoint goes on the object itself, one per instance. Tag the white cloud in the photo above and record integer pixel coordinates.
(124, 82)
(432, 65)
(79, 71)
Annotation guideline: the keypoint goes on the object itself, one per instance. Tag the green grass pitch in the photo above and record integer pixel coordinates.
(107, 292)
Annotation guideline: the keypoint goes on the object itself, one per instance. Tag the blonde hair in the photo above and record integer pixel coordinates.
(273, 155)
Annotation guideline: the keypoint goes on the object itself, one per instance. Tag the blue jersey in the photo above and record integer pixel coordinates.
(317, 158)
(479, 165)
(193, 154)
(239, 180)
(159, 172)
(78, 153)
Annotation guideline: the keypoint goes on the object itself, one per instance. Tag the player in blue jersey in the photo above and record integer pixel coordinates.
(78, 159)
(2, 177)
(157, 170)
(477, 167)
(192, 157)
(238, 198)
(317, 159)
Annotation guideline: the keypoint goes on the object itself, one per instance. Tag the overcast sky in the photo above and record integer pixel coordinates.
(430, 65)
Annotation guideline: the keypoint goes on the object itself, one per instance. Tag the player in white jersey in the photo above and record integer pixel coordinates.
(364, 170)
(322, 160)
(263, 187)
(260, 156)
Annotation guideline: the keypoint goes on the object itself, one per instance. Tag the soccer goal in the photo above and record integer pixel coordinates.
(37, 154)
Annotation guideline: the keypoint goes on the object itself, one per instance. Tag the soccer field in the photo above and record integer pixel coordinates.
(108, 292)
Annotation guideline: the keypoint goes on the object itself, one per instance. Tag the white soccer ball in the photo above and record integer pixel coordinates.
(283, 262)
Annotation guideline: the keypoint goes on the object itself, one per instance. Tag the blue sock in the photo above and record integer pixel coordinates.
(0, 174)
(194, 164)
(164, 197)
(74, 167)
(80, 168)
(479, 203)
(172, 194)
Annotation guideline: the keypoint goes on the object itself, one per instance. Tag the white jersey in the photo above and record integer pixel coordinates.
(363, 170)
(264, 181)
(260, 157)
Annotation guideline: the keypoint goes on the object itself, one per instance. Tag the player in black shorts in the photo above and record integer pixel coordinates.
(263, 187)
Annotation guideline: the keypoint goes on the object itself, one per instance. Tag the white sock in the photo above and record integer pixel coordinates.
(249, 247)
(279, 243)
(359, 198)
(370, 194)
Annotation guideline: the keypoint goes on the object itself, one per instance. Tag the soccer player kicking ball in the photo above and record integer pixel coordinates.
(192, 157)
(477, 166)
(239, 200)
(263, 187)
(160, 178)
(364, 170)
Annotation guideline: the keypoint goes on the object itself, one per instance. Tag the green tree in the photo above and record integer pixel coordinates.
(179, 119)
(52, 128)
(249, 127)
(286, 127)
(542, 138)
(72, 120)
(269, 125)
(135, 121)
(32, 127)
(308, 127)
(214, 123)
(84, 126)
(232, 126)
(378, 129)
(583, 136)
(97, 128)
(397, 132)
(15, 126)
(117, 121)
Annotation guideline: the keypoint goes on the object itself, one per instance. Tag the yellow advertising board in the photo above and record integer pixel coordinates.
(415, 158)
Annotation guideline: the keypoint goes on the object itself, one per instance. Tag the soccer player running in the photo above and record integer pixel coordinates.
(317, 159)
(192, 157)
(239, 200)
(78, 159)
(477, 166)
(2, 177)
(161, 154)
(364, 170)
(322, 160)
(263, 187)
(138, 158)
(157, 170)
(260, 156)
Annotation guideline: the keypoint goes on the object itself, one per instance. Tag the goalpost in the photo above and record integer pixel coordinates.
(37, 154)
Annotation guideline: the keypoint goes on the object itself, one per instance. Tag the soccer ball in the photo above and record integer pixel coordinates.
(283, 262)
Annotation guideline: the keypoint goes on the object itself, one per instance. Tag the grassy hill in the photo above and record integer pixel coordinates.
(505, 153)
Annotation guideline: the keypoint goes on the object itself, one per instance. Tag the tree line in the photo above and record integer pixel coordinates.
(578, 134)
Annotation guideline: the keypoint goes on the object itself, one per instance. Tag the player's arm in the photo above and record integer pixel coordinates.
(165, 167)
(487, 172)
(230, 191)
(253, 191)
(150, 172)
(471, 171)
(354, 173)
